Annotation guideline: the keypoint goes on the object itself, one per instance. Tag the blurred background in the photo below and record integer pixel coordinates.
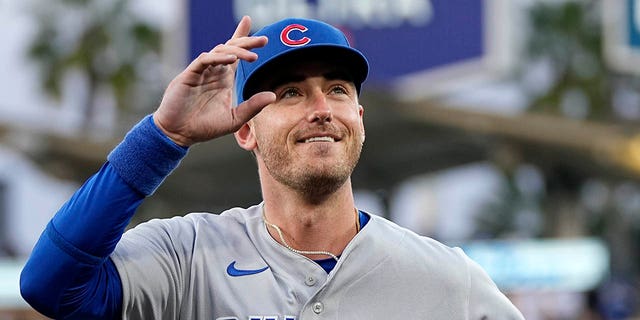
(508, 128)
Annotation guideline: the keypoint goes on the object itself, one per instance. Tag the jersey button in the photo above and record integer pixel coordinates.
(310, 281)
(318, 307)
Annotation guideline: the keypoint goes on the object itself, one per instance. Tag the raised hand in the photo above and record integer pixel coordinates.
(198, 104)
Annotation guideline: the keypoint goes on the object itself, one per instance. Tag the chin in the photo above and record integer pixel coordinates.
(320, 186)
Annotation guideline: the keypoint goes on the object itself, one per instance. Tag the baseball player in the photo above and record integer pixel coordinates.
(305, 252)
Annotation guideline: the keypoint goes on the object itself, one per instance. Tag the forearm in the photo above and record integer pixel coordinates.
(69, 270)
(95, 217)
(71, 252)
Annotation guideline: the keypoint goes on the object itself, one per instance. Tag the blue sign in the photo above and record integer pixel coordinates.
(578, 264)
(634, 23)
(399, 37)
(622, 35)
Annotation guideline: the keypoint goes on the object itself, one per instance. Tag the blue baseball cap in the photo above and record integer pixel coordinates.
(296, 38)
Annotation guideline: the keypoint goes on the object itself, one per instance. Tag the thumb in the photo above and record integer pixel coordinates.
(249, 108)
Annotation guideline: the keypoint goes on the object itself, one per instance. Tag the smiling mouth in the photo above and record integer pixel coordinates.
(320, 139)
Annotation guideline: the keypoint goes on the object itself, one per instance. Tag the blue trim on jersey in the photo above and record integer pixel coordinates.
(364, 218)
(327, 264)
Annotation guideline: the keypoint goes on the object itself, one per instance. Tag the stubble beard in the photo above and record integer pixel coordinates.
(313, 181)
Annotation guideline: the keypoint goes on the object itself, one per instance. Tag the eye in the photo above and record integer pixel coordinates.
(289, 93)
(338, 89)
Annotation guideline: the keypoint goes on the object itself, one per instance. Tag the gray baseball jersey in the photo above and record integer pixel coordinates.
(206, 266)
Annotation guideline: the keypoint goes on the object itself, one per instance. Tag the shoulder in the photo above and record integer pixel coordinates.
(411, 243)
(183, 230)
(190, 220)
(451, 265)
(423, 256)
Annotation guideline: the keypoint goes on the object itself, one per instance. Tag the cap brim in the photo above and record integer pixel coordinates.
(352, 61)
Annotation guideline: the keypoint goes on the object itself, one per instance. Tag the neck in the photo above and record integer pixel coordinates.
(326, 225)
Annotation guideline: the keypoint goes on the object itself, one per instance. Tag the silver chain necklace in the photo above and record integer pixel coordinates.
(303, 252)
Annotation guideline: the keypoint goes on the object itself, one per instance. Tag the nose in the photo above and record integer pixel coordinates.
(320, 109)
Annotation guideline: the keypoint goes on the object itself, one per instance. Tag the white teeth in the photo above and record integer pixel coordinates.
(324, 139)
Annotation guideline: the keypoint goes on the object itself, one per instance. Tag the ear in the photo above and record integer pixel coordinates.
(361, 113)
(245, 137)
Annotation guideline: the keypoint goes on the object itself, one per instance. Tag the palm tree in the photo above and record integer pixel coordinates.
(103, 40)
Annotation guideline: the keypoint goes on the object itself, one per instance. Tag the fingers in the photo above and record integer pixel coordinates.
(243, 28)
(242, 47)
(228, 54)
(238, 47)
(206, 59)
(249, 108)
(241, 39)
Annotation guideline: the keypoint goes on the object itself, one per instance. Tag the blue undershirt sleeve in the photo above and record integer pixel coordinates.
(69, 274)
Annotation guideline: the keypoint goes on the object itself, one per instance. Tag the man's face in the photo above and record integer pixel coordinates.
(311, 137)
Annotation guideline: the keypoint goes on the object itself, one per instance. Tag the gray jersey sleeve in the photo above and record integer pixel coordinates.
(485, 299)
(154, 275)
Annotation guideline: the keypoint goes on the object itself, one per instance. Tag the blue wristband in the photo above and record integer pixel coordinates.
(146, 157)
